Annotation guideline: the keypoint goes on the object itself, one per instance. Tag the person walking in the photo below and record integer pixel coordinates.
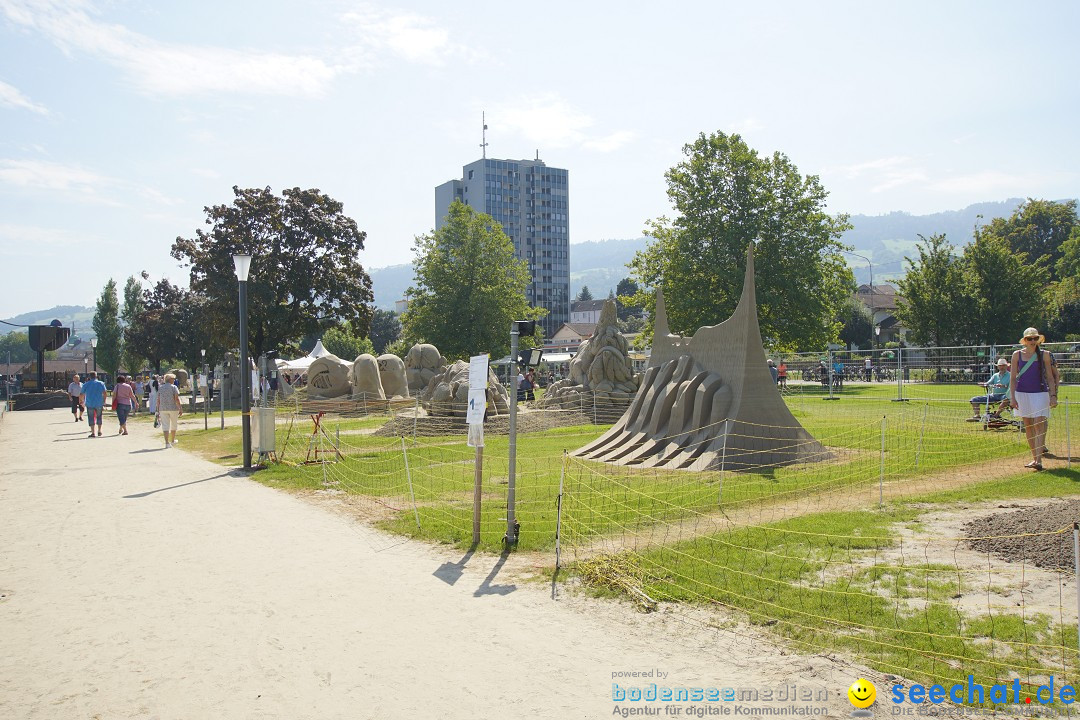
(126, 401)
(169, 409)
(93, 399)
(75, 393)
(1033, 391)
(151, 401)
(781, 374)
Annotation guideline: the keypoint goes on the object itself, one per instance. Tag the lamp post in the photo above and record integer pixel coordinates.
(93, 346)
(243, 265)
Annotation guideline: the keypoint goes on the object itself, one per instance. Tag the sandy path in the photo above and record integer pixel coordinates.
(138, 582)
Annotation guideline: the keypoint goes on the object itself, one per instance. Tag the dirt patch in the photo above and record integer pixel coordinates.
(1032, 535)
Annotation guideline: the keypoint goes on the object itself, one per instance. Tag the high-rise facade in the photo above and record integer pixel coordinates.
(531, 202)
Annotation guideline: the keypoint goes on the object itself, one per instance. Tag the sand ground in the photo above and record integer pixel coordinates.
(139, 582)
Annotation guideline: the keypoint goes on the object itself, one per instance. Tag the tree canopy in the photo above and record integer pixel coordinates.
(385, 329)
(725, 196)
(106, 326)
(584, 294)
(344, 342)
(1039, 229)
(469, 287)
(305, 274)
(988, 294)
(129, 310)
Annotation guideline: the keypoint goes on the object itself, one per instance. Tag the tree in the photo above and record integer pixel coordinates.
(469, 287)
(385, 329)
(133, 305)
(584, 294)
(344, 342)
(1003, 294)
(107, 329)
(305, 275)
(1038, 228)
(726, 196)
(857, 323)
(164, 328)
(18, 345)
(625, 292)
(933, 305)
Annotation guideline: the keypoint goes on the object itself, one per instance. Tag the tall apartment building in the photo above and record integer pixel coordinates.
(531, 202)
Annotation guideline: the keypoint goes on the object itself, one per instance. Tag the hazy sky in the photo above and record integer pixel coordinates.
(121, 119)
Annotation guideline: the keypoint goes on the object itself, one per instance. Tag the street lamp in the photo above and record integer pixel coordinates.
(85, 365)
(93, 346)
(243, 265)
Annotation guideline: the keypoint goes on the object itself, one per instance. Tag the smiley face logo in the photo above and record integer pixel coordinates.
(862, 693)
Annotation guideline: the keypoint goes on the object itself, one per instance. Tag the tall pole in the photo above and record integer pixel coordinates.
(245, 377)
(511, 532)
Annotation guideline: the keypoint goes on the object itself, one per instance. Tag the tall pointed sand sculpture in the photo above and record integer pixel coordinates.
(708, 402)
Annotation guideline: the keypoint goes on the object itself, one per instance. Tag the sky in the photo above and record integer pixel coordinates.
(120, 120)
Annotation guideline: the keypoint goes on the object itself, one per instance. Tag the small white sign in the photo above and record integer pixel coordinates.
(477, 404)
(478, 372)
(202, 381)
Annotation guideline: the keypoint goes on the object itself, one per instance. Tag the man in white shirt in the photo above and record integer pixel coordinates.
(75, 391)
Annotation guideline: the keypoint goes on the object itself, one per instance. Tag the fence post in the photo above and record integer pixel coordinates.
(1068, 437)
(558, 511)
(881, 472)
(337, 439)
(416, 414)
(408, 476)
(478, 488)
(922, 429)
(723, 461)
(1076, 569)
(322, 460)
(899, 374)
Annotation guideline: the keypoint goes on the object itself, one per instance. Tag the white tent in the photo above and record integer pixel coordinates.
(301, 365)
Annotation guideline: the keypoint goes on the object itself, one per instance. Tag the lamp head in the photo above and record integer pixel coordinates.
(93, 342)
(243, 265)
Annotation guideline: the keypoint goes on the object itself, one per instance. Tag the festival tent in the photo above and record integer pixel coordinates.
(300, 365)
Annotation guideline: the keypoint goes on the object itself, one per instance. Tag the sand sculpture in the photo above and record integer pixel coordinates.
(601, 368)
(364, 378)
(448, 392)
(230, 383)
(422, 363)
(328, 377)
(708, 402)
(182, 378)
(392, 376)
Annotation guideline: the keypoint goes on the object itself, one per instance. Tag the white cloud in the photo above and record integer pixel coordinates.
(170, 69)
(11, 97)
(33, 237)
(46, 175)
(410, 36)
(551, 122)
(882, 174)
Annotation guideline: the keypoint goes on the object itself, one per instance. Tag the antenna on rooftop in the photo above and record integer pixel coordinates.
(484, 144)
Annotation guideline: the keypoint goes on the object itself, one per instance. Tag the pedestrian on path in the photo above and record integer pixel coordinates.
(1033, 391)
(126, 402)
(168, 408)
(75, 392)
(93, 399)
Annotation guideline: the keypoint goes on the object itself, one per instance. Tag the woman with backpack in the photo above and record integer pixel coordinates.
(1033, 391)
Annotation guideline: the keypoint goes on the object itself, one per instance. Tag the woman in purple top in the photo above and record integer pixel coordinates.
(1033, 391)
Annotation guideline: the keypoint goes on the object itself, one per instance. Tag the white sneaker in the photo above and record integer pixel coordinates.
(168, 445)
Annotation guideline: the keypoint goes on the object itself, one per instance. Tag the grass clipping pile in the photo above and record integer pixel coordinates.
(1013, 535)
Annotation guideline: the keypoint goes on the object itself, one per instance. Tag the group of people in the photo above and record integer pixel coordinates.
(88, 400)
(1028, 382)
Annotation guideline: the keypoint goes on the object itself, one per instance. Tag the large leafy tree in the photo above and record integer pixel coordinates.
(106, 325)
(1038, 228)
(16, 346)
(346, 343)
(469, 287)
(305, 275)
(726, 196)
(132, 306)
(170, 327)
(1003, 293)
(933, 308)
(385, 329)
(857, 323)
(625, 293)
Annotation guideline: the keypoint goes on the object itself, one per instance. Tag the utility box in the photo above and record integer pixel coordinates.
(263, 427)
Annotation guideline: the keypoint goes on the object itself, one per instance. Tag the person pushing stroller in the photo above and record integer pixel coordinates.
(997, 391)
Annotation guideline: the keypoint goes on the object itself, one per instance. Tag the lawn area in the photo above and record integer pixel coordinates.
(806, 550)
